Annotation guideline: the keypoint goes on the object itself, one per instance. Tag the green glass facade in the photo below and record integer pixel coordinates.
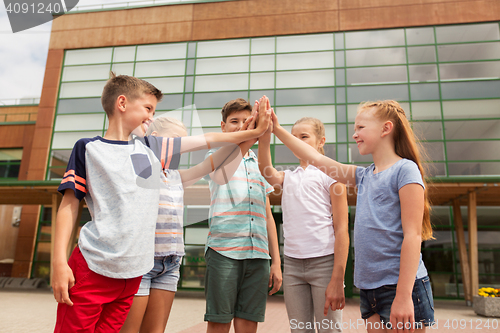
(447, 78)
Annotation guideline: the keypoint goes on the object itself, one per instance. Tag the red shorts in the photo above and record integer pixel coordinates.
(100, 303)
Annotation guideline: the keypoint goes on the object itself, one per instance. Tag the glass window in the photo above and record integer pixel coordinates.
(342, 133)
(191, 50)
(376, 75)
(423, 73)
(476, 51)
(305, 96)
(426, 91)
(487, 108)
(122, 54)
(160, 68)
(421, 54)
(474, 169)
(375, 93)
(123, 69)
(81, 89)
(374, 57)
(262, 81)
(339, 40)
(81, 122)
(305, 79)
(221, 82)
(420, 36)
(304, 43)
(222, 65)
(473, 150)
(161, 52)
(210, 117)
(435, 169)
(190, 67)
(263, 45)
(340, 77)
(66, 140)
(256, 94)
(60, 157)
(427, 130)
(464, 90)
(339, 59)
(304, 60)
(471, 70)
(262, 63)
(85, 105)
(425, 110)
(84, 73)
(170, 102)
(289, 115)
(217, 99)
(374, 38)
(223, 48)
(10, 162)
(435, 150)
(168, 85)
(467, 33)
(88, 56)
(284, 155)
(472, 129)
(196, 235)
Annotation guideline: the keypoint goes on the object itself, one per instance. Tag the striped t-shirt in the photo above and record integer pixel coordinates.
(237, 218)
(169, 225)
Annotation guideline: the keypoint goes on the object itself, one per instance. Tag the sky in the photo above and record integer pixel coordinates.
(23, 56)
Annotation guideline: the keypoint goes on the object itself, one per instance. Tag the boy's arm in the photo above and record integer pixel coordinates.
(273, 176)
(275, 277)
(334, 295)
(212, 140)
(343, 173)
(412, 210)
(63, 278)
(221, 165)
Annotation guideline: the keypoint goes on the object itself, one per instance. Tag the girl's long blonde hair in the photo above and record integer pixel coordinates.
(163, 124)
(318, 127)
(405, 146)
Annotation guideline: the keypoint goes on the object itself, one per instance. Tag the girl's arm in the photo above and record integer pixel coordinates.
(343, 173)
(275, 276)
(412, 209)
(334, 295)
(273, 176)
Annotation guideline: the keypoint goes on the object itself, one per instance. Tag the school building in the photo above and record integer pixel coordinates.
(439, 58)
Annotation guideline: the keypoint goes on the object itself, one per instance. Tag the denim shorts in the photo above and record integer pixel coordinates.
(164, 275)
(379, 301)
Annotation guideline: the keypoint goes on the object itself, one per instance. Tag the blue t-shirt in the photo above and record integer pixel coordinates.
(378, 232)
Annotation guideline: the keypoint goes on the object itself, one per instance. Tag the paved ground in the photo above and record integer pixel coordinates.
(34, 311)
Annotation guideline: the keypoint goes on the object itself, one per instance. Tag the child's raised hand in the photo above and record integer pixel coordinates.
(264, 115)
(274, 120)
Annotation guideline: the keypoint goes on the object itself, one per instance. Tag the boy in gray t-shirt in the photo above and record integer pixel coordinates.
(118, 176)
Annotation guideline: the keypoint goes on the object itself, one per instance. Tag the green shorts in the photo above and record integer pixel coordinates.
(235, 288)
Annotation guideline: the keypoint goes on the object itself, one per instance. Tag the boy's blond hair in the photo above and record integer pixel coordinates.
(129, 86)
(162, 124)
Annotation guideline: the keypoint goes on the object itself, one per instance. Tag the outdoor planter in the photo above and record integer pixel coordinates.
(486, 306)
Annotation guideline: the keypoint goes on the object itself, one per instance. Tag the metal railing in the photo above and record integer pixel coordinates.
(132, 4)
(20, 101)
